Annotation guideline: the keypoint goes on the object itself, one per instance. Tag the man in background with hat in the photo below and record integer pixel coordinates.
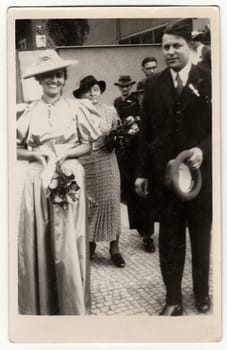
(138, 209)
(176, 117)
(126, 104)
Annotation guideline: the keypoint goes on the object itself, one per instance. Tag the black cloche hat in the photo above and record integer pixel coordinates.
(86, 83)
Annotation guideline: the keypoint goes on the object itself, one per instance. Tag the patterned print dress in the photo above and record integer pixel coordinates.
(103, 183)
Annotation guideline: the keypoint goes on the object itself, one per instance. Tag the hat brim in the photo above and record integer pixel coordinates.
(125, 84)
(49, 67)
(175, 174)
(78, 92)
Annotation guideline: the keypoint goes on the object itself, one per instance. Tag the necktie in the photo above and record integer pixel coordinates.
(179, 86)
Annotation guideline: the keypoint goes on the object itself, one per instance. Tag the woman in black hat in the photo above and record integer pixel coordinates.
(102, 175)
(52, 133)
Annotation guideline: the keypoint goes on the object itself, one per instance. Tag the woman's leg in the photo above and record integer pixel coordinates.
(92, 247)
(116, 256)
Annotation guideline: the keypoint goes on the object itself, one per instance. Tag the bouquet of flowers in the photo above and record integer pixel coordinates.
(63, 188)
(122, 134)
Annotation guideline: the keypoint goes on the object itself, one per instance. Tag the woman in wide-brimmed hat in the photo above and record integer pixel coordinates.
(102, 175)
(52, 134)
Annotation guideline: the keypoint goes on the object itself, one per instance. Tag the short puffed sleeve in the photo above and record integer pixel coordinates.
(22, 125)
(87, 121)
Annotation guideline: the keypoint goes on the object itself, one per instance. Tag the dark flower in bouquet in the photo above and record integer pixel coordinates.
(63, 188)
(123, 133)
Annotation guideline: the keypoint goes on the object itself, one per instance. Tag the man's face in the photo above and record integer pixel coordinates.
(125, 90)
(149, 68)
(176, 51)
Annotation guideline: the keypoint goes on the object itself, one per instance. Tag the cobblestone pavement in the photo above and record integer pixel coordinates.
(136, 289)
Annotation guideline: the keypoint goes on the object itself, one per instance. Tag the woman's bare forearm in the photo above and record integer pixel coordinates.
(24, 154)
(76, 152)
(79, 151)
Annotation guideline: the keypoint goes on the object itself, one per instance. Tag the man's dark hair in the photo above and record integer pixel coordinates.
(179, 29)
(148, 59)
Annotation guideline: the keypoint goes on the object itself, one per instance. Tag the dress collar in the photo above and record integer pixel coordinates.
(51, 103)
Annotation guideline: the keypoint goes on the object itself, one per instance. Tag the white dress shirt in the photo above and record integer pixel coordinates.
(183, 73)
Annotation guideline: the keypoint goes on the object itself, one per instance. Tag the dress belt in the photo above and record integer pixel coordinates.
(57, 149)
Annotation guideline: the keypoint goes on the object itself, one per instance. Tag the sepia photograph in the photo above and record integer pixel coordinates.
(115, 206)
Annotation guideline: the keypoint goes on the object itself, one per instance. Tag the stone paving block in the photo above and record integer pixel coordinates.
(138, 288)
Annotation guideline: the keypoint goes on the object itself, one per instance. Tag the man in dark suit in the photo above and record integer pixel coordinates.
(176, 117)
(138, 210)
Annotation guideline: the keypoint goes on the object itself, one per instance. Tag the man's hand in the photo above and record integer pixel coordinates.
(141, 186)
(195, 161)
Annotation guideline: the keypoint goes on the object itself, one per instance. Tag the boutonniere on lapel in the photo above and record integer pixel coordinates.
(199, 89)
(194, 90)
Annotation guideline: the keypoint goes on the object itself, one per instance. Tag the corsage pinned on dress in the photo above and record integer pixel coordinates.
(121, 135)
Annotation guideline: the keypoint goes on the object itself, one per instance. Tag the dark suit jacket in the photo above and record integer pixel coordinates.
(127, 107)
(127, 155)
(171, 124)
(141, 84)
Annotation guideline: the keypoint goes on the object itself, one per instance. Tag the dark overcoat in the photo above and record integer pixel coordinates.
(138, 208)
(127, 155)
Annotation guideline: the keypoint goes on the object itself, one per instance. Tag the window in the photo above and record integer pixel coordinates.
(149, 36)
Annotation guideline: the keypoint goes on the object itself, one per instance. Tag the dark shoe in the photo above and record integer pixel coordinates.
(149, 245)
(172, 310)
(92, 247)
(203, 305)
(117, 259)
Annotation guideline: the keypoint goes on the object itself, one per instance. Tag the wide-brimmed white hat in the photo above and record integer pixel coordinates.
(46, 61)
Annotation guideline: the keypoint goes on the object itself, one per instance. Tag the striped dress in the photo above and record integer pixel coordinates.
(103, 183)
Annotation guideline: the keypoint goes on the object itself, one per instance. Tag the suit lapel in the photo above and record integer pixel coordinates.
(167, 91)
(187, 93)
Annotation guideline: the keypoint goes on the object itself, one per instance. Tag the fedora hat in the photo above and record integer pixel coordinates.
(46, 61)
(185, 182)
(86, 83)
(124, 80)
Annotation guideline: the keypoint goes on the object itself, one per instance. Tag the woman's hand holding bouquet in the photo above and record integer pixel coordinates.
(122, 134)
(58, 181)
(63, 188)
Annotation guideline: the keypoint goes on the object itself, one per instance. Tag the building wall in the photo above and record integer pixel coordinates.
(131, 26)
(102, 32)
(200, 23)
(105, 63)
(110, 31)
